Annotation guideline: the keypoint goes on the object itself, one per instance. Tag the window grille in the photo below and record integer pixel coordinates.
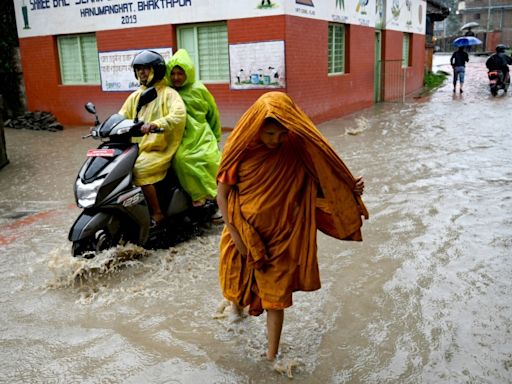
(207, 45)
(78, 58)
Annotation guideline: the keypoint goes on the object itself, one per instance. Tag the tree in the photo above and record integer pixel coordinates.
(453, 20)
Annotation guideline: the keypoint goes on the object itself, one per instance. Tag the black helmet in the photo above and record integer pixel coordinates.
(151, 59)
(501, 48)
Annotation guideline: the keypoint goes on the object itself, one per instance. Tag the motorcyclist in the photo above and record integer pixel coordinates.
(167, 112)
(500, 61)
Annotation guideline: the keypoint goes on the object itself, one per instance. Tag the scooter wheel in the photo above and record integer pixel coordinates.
(88, 247)
(83, 248)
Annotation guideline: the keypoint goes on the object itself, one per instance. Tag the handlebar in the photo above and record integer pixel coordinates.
(120, 127)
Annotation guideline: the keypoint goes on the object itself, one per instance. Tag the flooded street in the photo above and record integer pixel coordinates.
(425, 298)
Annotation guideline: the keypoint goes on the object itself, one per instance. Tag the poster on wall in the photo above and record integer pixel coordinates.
(116, 70)
(380, 20)
(359, 12)
(258, 65)
(406, 15)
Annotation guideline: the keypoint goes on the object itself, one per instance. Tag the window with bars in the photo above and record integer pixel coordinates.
(336, 49)
(78, 56)
(207, 45)
(406, 48)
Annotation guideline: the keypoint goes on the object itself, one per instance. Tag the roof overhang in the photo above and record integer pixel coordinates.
(437, 11)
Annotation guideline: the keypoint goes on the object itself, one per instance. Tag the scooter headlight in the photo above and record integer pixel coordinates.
(86, 193)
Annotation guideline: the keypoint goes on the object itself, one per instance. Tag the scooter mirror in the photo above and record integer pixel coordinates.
(90, 107)
(145, 98)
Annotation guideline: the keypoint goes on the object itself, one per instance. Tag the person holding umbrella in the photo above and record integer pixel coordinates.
(458, 61)
(469, 32)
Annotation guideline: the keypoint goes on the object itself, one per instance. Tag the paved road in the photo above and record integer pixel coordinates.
(424, 299)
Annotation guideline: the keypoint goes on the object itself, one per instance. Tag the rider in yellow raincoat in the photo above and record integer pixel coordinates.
(197, 160)
(167, 111)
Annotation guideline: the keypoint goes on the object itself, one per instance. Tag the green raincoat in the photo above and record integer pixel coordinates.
(156, 150)
(198, 157)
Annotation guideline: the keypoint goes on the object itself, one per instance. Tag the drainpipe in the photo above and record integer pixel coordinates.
(488, 26)
(404, 85)
(3, 148)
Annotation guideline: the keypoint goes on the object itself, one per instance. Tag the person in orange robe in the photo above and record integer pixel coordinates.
(279, 181)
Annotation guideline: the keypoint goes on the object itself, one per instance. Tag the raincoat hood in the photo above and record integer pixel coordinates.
(198, 157)
(278, 199)
(182, 59)
(335, 179)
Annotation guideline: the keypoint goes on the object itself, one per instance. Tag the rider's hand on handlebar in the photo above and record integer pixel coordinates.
(148, 127)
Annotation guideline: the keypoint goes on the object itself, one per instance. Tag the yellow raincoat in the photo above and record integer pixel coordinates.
(156, 150)
(278, 199)
(197, 160)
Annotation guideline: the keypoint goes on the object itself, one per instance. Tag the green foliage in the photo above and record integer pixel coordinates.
(434, 80)
(453, 21)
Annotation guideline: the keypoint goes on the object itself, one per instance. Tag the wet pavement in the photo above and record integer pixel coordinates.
(426, 298)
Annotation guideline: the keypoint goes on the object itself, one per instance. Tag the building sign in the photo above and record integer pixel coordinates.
(380, 21)
(257, 65)
(359, 12)
(116, 69)
(400, 15)
(57, 17)
(406, 15)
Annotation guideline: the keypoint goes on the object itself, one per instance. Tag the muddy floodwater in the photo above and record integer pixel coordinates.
(425, 298)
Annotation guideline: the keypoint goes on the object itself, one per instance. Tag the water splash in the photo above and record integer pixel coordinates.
(78, 272)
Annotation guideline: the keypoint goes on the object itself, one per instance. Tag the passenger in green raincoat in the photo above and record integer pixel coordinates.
(167, 111)
(197, 160)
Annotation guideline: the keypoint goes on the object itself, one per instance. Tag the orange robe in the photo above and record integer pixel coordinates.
(279, 198)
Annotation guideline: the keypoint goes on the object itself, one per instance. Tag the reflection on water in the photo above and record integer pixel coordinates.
(424, 299)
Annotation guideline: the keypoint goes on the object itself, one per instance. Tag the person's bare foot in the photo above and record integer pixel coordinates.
(220, 312)
(285, 366)
(236, 313)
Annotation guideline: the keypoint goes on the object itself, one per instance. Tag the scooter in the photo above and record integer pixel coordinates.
(114, 210)
(497, 81)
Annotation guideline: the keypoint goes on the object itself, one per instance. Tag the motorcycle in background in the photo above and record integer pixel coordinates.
(115, 211)
(497, 81)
